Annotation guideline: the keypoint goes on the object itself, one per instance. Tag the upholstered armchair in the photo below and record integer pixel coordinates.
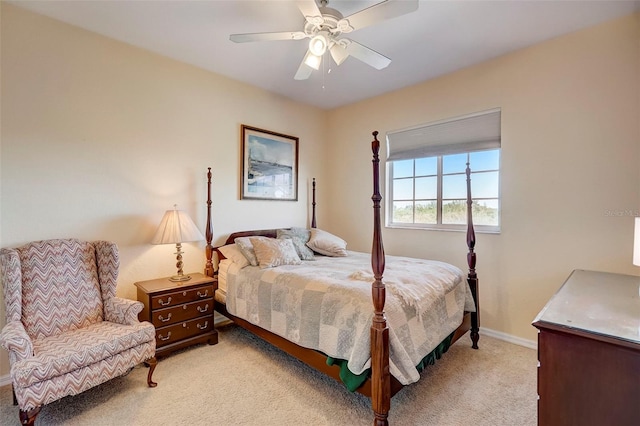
(66, 330)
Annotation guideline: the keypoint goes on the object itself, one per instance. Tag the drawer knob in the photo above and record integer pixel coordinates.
(164, 338)
(206, 293)
(164, 303)
(202, 327)
(205, 309)
(165, 319)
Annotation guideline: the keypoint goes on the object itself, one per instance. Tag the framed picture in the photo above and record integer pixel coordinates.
(269, 165)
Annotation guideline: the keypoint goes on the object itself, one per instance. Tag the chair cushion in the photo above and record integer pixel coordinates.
(71, 350)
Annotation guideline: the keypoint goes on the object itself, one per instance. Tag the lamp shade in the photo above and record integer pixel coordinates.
(176, 227)
(636, 243)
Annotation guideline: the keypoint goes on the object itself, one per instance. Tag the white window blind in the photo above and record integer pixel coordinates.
(469, 133)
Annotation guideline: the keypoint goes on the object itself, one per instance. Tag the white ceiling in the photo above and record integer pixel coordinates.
(440, 37)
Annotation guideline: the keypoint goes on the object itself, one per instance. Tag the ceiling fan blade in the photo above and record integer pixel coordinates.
(338, 53)
(304, 70)
(366, 55)
(285, 35)
(310, 11)
(376, 13)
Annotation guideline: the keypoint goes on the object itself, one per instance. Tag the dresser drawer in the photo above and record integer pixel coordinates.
(187, 311)
(182, 296)
(183, 330)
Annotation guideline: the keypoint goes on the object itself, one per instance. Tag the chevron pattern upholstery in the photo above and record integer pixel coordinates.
(66, 330)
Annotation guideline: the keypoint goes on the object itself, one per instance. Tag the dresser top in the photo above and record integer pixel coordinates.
(163, 284)
(597, 302)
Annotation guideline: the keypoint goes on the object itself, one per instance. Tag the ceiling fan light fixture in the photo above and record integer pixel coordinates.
(318, 45)
(313, 61)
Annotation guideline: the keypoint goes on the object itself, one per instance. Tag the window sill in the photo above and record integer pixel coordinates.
(478, 229)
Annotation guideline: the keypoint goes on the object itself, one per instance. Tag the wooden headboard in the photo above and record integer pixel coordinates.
(272, 233)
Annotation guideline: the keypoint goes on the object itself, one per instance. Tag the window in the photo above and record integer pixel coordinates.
(427, 182)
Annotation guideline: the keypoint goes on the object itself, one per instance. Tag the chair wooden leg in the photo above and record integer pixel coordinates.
(152, 366)
(29, 417)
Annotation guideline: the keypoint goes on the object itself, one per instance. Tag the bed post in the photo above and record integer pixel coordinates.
(471, 261)
(380, 376)
(208, 268)
(313, 203)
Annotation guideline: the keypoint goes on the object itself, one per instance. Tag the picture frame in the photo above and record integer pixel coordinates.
(269, 165)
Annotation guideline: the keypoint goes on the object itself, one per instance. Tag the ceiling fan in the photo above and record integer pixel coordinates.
(324, 26)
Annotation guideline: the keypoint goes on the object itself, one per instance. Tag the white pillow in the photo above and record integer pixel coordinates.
(272, 252)
(233, 253)
(326, 243)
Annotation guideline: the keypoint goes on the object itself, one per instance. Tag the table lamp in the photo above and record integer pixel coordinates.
(176, 228)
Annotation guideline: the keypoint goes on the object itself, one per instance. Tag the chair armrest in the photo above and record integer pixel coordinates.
(122, 311)
(14, 338)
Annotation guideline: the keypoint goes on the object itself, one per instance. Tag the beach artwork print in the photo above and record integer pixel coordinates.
(270, 163)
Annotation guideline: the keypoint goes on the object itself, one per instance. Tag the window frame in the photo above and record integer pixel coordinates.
(439, 196)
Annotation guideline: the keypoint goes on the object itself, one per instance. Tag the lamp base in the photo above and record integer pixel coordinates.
(180, 278)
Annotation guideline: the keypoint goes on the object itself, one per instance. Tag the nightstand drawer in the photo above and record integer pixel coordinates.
(183, 330)
(182, 296)
(187, 311)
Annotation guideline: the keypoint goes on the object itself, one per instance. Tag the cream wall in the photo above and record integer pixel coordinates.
(570, 166)
(100, 138)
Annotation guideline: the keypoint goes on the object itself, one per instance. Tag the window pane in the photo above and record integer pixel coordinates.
(485, 212)
(485, 160)
(426, 187)
(402, 168)
(454, 186)
(402, 212)
(484, 185)
(426, 166)
(426, 212)
(403, 189)
(433, 190)
(454, 212)
(454, 163)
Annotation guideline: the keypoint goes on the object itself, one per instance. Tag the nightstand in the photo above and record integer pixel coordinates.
(181, 312)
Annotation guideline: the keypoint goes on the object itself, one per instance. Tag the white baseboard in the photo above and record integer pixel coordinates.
(6, 380)
(531, 344)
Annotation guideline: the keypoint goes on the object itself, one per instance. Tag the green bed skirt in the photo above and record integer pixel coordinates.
(354, 381)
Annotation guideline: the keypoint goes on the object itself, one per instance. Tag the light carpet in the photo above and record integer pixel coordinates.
(244, 381)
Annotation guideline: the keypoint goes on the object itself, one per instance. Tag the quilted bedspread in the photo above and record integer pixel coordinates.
(326, 305)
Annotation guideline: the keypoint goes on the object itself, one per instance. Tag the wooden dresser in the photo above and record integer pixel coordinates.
(589, 352)
(182, 312)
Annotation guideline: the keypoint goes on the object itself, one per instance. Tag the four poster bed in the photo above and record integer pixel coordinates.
(373, 350)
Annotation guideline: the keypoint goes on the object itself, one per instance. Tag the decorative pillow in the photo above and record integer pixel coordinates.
(272, 252)
(233, 253)
(299, 237)
(328, 244)
(245, 246)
